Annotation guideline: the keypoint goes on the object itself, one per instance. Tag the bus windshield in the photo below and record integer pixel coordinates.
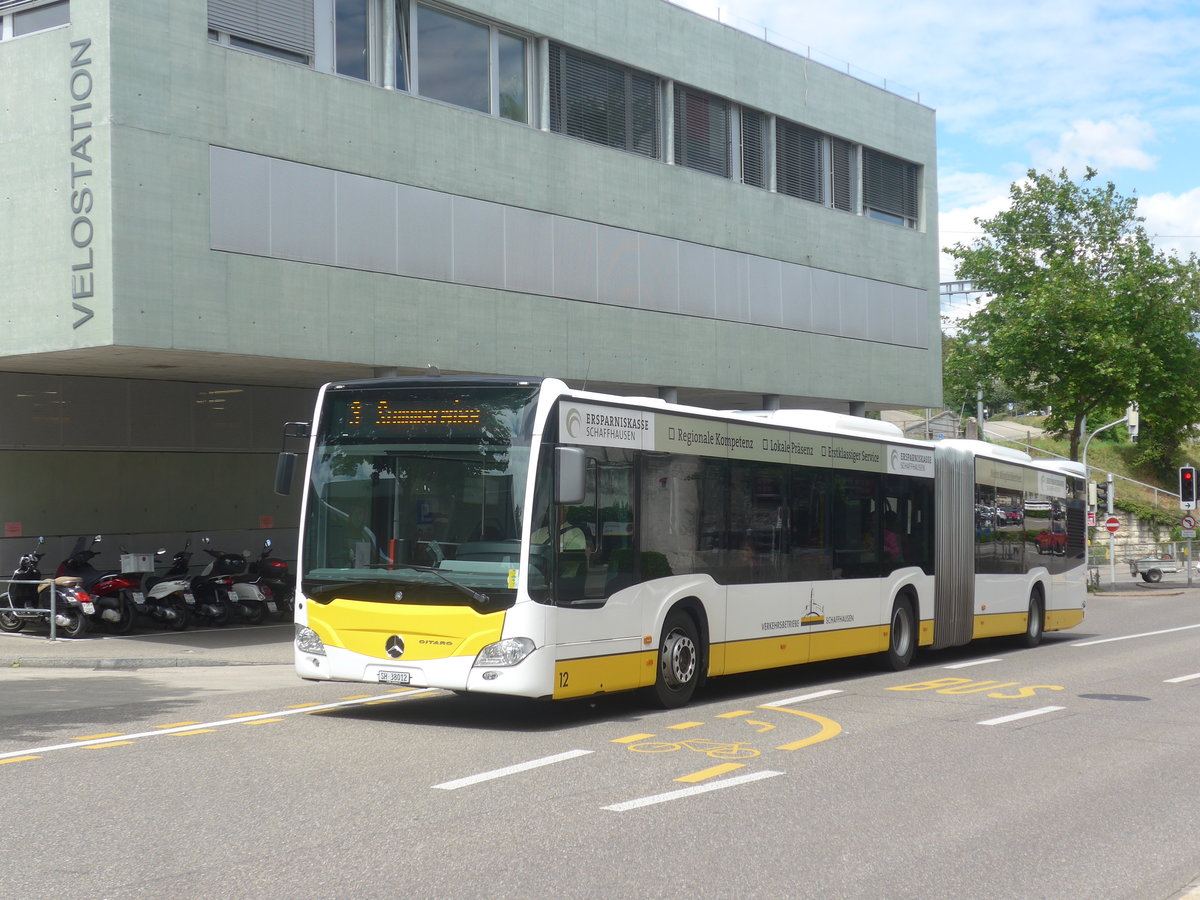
(417, 492)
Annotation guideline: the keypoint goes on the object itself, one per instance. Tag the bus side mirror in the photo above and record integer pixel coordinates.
(285, 468)
(570, 468)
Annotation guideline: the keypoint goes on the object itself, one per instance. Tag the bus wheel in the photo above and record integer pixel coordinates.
(678, 661)
(1033, 622)
(902, 637)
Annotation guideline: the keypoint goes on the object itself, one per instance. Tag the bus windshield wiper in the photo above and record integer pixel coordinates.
(479, 597)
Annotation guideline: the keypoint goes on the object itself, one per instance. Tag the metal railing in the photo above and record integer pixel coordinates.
(32, 613)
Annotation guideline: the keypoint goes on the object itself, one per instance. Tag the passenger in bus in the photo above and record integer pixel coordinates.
(891, 540)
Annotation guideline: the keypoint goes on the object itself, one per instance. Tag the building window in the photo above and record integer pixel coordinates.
(279, 28)
(842, 160)
(753, 148)
(22, 18)
(890, 188)
(603, 102)
(799, 162)
(471, 64)
(352, 37)
(701, 131)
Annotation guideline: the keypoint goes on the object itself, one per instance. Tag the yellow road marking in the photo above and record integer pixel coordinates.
(4, 762)
(378, 702)
(263, 721)
(683, 725)
(705, 774)
(109, 744)
(176, 724)
(260, 712)
(356, 697)
(829, 728)
(632, 739)
(197, 731)
(93, 737)
(734, 715)
(302, 705)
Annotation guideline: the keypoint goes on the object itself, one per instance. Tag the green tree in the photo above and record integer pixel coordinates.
(1084, 314)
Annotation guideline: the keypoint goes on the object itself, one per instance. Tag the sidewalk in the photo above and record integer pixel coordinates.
(246, 645)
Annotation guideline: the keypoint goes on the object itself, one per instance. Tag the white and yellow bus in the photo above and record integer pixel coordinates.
(518, 537)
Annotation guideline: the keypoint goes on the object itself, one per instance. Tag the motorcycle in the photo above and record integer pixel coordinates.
(27, 600)
(166, 599)
(216, 597)
(276, 580)
(109, 589)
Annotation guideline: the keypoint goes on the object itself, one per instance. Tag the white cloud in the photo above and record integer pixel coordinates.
(1104, 145)
(1173, 220)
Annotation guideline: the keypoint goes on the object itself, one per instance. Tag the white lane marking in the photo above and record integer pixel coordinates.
(690, 791)
(510, 770)
(1128, 637)
(179, 729)
(1023, 715)
(974, 662)
(802, 698)
(1182, 678)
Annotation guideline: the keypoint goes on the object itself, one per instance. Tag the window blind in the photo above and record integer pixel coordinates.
(754, 139)
(701, 131)
(890, 185)
(603, 102)
(287, 24)
(798, 164)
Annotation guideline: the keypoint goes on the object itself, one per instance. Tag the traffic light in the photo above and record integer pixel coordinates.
(1187, 487)
(1102, 495)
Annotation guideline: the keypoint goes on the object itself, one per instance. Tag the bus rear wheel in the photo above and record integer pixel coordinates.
(902, 635)
(678, 662)
(1033, 621)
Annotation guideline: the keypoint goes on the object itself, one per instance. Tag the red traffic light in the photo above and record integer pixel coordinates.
(1187, 484)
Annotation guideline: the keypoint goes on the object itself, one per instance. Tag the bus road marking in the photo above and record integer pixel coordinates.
(13, 759)
(683, 725)
(109, 744)
(1182, 678)
(829, 728)
(1021, 715)
(801, 699)
(510, 770)
(973, 662)
(631, 739)
(735, 714)
(691, 791)
(1129, 637)
(705, 774)
(183, 728)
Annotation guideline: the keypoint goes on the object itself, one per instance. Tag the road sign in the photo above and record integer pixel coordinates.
(1112, 523)
(1188, 522)
(1091, 517)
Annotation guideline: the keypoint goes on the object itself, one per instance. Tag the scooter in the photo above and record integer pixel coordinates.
(109, 589)
(276, 580)
(166, 599)
(216, 599)
(27, 601)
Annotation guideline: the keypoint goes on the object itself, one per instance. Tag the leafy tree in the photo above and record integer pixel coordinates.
(1084, 313)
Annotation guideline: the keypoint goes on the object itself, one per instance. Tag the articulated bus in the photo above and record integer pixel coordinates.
(518, 537)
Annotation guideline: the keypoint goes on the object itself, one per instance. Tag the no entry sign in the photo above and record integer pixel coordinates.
(1112, 523)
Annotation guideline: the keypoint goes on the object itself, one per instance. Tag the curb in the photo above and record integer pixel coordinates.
(145, 663)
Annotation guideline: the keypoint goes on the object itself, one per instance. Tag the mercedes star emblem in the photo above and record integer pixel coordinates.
(394, 646)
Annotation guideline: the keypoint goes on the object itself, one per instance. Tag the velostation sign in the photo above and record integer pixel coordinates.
(636, 429)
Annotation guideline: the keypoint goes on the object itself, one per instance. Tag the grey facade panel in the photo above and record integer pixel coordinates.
(575, 259)
(424, 227)
(303, 212)
(366, 223)
(697, 281)
(273, 207)
(528, 251)
(239, 202)
(478, 238)
(278, 23)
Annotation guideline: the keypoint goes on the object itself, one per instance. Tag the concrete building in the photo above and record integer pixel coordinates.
(208, 209)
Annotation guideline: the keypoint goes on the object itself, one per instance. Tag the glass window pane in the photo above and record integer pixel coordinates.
(513, 101)
(453, 59)
(41, 18)
(353, 39)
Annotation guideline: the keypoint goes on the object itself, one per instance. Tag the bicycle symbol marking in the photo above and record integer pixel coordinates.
(715, 749)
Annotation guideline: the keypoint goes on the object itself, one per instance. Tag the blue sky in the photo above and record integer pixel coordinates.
(1020, 84)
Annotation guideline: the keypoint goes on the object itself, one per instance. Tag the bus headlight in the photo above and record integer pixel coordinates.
(308, 641)
(508, 652)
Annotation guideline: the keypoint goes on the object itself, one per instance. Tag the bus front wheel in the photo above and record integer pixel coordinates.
(902, 635)
(678, 661)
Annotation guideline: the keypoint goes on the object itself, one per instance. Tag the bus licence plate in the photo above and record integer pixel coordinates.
(387, 677)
